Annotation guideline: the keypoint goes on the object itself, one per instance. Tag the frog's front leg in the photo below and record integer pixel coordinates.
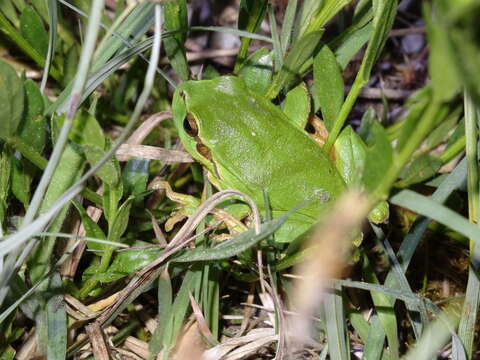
(189, 204)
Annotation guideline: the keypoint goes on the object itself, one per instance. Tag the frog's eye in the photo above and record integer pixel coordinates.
(190, 125)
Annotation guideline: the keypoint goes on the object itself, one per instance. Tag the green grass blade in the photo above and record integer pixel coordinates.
(287, 26)
(164, 295)
(250, 17)
(277, 46)
(236, 245)
(375, 341)
(176, 19)
(430, 208)
(335, 324)
(56, 321)
(384, 307)
(434, 338)
(52, 41)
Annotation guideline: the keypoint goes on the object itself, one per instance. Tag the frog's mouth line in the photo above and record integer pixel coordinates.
(191, 128)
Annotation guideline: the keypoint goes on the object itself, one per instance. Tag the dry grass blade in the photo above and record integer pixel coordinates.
(190, 345)
(200, 319)
(147, 126)
(137, 346)
(126, 151)
(247, 312)
(330, 247)
(100, 348)
(157, 230)
(219, 351)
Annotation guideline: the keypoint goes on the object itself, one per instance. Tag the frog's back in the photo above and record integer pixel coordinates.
(262, 149)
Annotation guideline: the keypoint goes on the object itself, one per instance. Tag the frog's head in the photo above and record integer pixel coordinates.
(189, 127)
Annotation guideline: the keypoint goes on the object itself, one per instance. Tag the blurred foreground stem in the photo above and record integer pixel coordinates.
(466, 328)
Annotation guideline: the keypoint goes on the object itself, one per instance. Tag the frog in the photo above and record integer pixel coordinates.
(249, 144)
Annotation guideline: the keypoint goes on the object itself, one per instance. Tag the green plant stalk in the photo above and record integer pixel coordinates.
(453, 150)
(18, 39)
(466, 328)
(400, 160)
(347, 106)
(91, 284)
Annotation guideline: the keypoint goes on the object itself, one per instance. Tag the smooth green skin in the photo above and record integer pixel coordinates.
(254, 146)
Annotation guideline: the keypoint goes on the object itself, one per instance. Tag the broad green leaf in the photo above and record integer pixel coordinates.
(67, 172)
(120, 222)
(21, 180)
(328, 84)
(350, 155)
(92, 229)
(5, 165)
(135, 178)
(33, 128)
(452, 30)
(422, 168)
(112, 194)
(127, 262)
(56, 320)
(250, 17)
(12, 96)
(86, 130)
(175, 19)
(257, 70)
(301, 51)
(297, 105)
(379, 157)
(107, 172)
(441, 66)
(33, 30)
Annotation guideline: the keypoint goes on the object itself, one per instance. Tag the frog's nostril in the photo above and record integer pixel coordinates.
(190, 126)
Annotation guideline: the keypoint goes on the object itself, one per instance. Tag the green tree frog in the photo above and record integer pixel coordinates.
(249, 144)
